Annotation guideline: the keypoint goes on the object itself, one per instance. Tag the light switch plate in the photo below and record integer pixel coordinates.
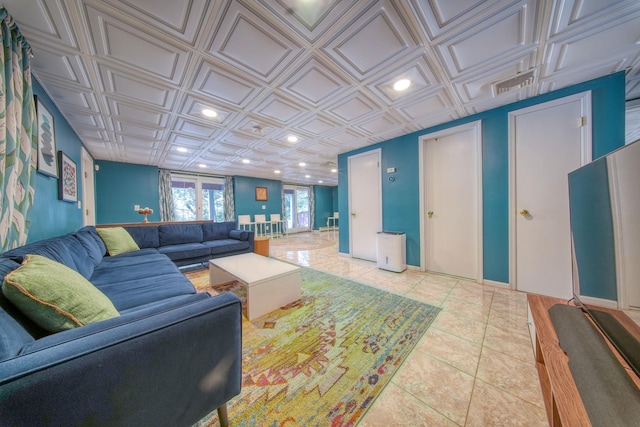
(136, 207)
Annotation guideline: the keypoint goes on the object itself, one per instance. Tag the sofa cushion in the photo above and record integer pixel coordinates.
(118, 240)
(89, 241)
(145, 236)
(217, 230)
(54, 296)
(185, 251)
(239, 234)
(176, 234)
(227, 245)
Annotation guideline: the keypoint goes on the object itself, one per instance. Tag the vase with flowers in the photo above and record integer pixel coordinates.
(145, 212)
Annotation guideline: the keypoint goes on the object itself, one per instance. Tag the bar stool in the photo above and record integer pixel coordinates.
(332, 220)
(244, 222)
(261, 224)
(277, 224)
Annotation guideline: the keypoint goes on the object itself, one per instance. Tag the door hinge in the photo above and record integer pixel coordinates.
(86, 212)
(378, 164)
(582, 121)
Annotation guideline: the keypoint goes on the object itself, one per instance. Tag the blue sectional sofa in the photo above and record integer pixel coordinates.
(192, 242)
(170, 357)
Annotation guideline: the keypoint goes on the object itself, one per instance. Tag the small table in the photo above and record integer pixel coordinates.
(270, 283)
(261, 246)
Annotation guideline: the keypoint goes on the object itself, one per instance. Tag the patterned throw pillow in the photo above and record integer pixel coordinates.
(117, 240)
(55, 296)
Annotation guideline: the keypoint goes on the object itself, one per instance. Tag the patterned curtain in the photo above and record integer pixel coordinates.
(166, 196)
(312, 207)
(283, 206)
(18, 136)
(229, 203)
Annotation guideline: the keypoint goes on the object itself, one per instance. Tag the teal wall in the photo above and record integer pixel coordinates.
(244, 192)
(120, 186)
(400, 198)
(51, 216)
(323, 198)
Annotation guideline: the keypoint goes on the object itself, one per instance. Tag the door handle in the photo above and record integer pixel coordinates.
(430, 214)
(353, 214)
(524, 212)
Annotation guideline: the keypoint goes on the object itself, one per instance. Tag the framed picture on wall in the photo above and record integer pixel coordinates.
(68, 182)
(261, 194)
(46, 141)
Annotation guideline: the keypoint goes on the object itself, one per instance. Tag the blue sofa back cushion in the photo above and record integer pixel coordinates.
(217, 230)
(177, 234)
(66, 250)
(89, 243)
(145, 236)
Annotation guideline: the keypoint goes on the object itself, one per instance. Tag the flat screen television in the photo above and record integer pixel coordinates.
(604, 201)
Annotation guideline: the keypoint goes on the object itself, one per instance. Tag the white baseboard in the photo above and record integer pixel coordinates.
(496, 284)
(607, 303)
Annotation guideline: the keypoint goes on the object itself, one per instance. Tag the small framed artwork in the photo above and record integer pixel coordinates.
(68, 182)
(261, 194)
(46, 141)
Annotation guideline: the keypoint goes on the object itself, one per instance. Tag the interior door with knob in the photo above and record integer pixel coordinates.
(452, 168)
(547, 142)
(365, 204)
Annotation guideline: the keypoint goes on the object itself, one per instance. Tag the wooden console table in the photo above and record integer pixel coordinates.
(562, 399)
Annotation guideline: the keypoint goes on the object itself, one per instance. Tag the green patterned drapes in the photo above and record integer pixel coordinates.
(166, 196)
(18, 136)
(312, 207)
(229, 203)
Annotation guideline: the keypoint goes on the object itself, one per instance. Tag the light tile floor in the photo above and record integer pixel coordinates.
(475, 364)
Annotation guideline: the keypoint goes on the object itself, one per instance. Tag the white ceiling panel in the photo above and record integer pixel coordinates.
(380, 27)
(133, 76)
(127, 46)
(505, 34)
(180, 19)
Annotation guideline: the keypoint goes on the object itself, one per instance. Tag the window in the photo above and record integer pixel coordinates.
(197, 198)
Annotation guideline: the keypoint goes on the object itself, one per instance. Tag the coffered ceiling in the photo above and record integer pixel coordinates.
(133, 76)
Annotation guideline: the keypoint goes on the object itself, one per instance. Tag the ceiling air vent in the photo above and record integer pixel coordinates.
(519, 81)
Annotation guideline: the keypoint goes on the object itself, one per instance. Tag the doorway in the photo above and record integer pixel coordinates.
(451, 201)
(197, 198)
(365, 204)
(88, 189)
(546, 142)
(296, 208)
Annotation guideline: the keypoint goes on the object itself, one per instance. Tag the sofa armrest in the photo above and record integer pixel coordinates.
(171, 368)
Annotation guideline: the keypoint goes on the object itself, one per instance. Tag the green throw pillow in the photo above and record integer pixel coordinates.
(117, 240)
(54, 296)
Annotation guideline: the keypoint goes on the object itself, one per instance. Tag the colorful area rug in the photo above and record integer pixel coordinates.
(323, 360)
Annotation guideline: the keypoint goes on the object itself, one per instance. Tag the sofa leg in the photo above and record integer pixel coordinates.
(222, 416)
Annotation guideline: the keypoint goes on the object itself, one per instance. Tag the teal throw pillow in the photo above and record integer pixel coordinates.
(117, 240)
(55, 296)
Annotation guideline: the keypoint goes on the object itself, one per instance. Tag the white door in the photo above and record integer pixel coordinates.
(547, 142)
(365, 204)
(452, 208)
(88, 193)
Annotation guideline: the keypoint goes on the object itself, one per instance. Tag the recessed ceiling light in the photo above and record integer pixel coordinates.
(209, 112)
(245, 161)
(320, 182)
(202, 165)
(334, 170)
(307, 176)
(292, 138)
(402, 84)
(302, 164)
(182, 149)
(276, 171)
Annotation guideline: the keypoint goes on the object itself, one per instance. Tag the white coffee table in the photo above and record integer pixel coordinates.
(270, 283)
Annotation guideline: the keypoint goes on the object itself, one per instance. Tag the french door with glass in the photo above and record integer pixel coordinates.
(197, 198)
(296, 208)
